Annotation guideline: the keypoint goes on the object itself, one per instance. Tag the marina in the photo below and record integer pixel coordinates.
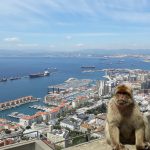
(17, 115)
(17, 102)
(39, 107)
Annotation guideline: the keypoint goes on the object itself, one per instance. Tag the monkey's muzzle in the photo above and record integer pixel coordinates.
(122, 102)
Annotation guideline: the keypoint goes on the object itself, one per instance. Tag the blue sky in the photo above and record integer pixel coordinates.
(67, 25)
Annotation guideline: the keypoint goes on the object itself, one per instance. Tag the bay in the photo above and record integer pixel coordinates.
(67, 67)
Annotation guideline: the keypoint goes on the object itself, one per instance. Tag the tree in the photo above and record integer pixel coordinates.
(57, 127)
(28, 127)
(58, 115)
(7, 131)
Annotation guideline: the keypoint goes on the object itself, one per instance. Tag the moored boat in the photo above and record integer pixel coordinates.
(14, 78)
(41, 74)
(3, 79)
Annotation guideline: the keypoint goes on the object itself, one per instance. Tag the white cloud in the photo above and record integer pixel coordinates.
(134, 44)
(12, 39)
(80, 45)
(27, 45)
(68, 37)
(97, 34)
(52, 46)
(64, 24)
(43, 11)
(71, 20)
(126, 10)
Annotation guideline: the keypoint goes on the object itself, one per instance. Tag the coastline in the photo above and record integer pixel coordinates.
(67, 67)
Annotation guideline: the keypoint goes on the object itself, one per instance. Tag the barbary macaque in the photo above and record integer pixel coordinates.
(125, 124)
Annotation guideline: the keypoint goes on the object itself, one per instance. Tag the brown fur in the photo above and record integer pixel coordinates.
(125, 123)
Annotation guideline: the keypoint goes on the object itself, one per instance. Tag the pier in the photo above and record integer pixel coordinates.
(17, 102)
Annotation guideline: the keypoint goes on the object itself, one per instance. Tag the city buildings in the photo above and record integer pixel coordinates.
(76, 107)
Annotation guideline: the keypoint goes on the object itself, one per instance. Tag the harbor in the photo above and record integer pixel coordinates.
(39, 107)
(38, 86)
(19, 110)
(17, 102)
(17, 115)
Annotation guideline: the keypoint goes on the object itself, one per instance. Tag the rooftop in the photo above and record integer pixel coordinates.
(69, 122)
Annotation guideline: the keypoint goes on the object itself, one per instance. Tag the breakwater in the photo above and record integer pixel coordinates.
(17, 102)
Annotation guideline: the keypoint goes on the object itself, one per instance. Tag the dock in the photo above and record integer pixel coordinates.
(39, 107)
(17, 115)
(17, 102)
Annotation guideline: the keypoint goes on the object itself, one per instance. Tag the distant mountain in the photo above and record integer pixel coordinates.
(80, 53)
(115, 51)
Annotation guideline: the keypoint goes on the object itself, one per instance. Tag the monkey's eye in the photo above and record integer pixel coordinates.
(123, 93)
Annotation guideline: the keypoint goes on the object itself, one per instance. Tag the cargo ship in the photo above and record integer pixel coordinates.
(88, 67)
(41, 74)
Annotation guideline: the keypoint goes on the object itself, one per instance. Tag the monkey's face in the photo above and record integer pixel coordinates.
(123, 95)
(123, 98)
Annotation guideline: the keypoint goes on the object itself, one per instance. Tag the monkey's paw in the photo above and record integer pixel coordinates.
(120, 147)
(146, 146)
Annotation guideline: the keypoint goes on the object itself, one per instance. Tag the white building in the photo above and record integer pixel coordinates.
(37, 118)
(74, 104)
(26, 121)
(58, 135)
(103, 88)
(69, 124)
(54, 112)
(79, 101)
(31, 133)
